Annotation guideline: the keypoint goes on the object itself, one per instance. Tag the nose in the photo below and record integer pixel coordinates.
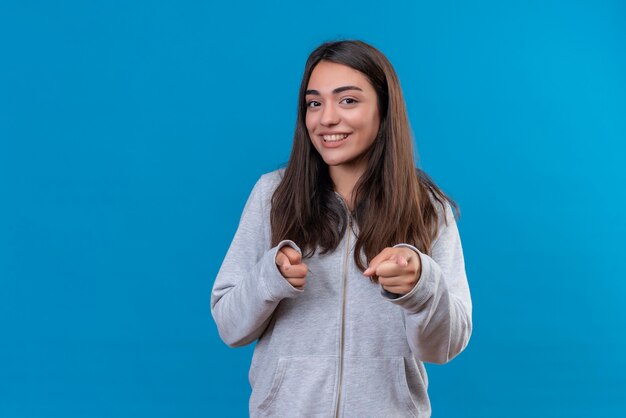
(329, 115)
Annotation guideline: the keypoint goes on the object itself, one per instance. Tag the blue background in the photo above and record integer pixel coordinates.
(131, 134)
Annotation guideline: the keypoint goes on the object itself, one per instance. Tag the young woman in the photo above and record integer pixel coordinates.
(347, 266)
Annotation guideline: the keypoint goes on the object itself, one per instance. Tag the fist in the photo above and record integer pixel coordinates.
(398, 269)
(290, 265)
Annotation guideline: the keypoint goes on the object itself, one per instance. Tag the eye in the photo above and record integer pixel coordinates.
(350, 100)
(312, 102)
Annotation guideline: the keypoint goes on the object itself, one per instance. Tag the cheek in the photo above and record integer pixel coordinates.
(375, 125)
(374, 121)
(364, 121)
(309, 121)
(309, 125)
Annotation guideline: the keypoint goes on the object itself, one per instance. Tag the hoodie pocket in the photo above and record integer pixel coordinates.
(302, 386)
(377, 387)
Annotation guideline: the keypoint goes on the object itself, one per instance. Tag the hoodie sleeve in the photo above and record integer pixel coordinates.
(249, 286)
(438, 310)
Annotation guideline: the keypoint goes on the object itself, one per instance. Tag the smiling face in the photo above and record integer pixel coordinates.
(342, 116)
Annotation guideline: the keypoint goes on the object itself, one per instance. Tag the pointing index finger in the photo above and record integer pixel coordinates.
(375, 262)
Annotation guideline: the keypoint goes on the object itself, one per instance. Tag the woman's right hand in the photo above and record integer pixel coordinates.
(290, 265)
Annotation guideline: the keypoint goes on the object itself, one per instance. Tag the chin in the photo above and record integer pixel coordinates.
(333, 161)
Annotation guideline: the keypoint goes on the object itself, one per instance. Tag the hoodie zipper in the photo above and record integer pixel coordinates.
(343, 315)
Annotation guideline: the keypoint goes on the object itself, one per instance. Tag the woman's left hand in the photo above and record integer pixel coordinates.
(398, 269)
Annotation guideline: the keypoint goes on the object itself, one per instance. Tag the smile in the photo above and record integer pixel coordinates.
(334, 138)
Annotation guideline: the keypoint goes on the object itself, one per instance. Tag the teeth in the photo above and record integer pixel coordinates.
(333, 138)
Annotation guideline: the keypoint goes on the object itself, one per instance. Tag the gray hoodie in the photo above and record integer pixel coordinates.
(342, 346)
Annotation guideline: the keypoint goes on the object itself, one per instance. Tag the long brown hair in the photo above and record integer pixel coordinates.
(392, 203)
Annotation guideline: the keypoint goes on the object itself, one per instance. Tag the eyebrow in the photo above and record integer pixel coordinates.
(337, 90)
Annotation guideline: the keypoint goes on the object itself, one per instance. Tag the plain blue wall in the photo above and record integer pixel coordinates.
(132, 132)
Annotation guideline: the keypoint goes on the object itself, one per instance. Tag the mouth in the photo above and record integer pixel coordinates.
(334, 138)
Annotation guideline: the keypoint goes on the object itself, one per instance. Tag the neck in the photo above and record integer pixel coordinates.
(344, 179)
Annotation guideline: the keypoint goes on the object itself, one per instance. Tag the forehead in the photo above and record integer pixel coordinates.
(328, 75)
